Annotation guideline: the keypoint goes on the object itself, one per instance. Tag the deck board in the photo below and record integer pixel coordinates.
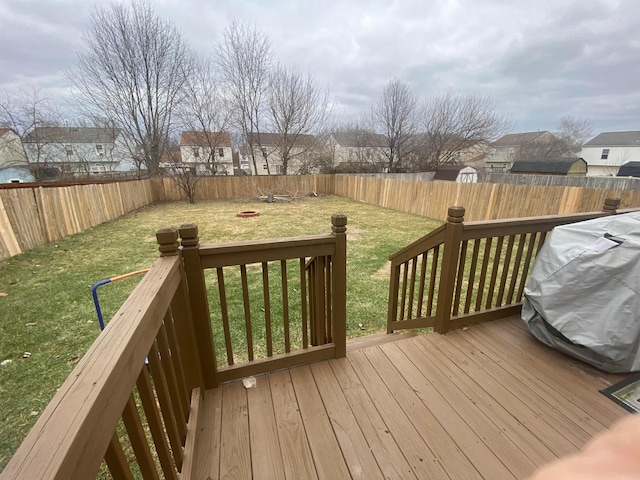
(486, 402)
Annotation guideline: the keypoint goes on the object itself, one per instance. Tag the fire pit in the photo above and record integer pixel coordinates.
(248, 213)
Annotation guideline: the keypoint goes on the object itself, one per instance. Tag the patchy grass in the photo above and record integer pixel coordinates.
(48, 310)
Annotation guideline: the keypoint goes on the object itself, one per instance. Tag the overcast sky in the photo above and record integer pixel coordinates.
(538, 60)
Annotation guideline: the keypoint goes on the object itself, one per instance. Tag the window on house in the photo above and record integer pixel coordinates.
(196, 152)
(264, 151)
(69, 149)
(221, 152)
(605, 154)
(100, 149)
(278, 169)
(264, 166)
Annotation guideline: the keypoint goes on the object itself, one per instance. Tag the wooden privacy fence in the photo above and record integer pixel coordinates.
(148, 369)
(468, 272)
(30, 217)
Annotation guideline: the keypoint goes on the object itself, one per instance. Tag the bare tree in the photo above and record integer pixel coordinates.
(245, 58)
(204, 114)
(298, 106)
(134, 71)
(574, 132)
(453, 123)
(395, 116)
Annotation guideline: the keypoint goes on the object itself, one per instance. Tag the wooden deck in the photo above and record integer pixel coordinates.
(486, 402)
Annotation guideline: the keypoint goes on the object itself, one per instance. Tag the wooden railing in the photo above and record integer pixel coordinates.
(468, 272)
(132, 403)
(310, 302)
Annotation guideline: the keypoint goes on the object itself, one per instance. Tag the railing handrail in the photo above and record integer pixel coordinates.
(71, 436)
(215, 255)
(430, 240)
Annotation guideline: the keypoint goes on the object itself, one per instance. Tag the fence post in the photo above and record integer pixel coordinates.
(199, 303)
(449, 269)
(611, 205)
(339, 284)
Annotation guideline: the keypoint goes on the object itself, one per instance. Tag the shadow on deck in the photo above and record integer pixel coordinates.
(486, 402)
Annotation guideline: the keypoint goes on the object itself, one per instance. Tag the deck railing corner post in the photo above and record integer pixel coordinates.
(339, 284)
(167, 239)
(199, 303)
(611, 205)
(452, 240)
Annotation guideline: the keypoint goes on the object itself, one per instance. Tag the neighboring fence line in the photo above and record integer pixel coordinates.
(33, 216)
(604, 183)
(482, 201)
(30, 217)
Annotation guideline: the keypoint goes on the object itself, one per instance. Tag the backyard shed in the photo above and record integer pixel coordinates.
(569, 166)
(629, 169)
(456, 173)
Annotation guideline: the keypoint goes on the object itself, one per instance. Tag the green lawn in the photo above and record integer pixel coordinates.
(46, 307)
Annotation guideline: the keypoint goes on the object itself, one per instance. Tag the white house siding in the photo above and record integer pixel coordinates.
(224, 162)
(609, 166)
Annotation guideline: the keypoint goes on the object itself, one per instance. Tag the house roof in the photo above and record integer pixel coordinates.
(615, 139)
(558, 166)
(448, 172)
(193, 137)
(72, 135)
(273, 139)
(517, 139)
(4, 131)
(629, 169)
(360, 139)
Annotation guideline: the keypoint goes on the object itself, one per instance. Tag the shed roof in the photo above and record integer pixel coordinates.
(448, 172)
(557, 166)
(615, 139)
(629, 169)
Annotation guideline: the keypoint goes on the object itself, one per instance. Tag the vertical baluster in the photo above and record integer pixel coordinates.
(526, 265)
(222, 292)
(472, 275)
(483, 272)
(117, 461)
(506, 266)
(516, 267)
(177, 400)
(494, 272)
(303, 302)
(267, 308)
(150, 406)
(460, 278)
(328, 301)
(164, 399)
(285, 305)
(138, 438)
(412, 286)
(403, 301)
(433, 279)
(247, 311)
(423, 275)
(178, 366)
(394, 290)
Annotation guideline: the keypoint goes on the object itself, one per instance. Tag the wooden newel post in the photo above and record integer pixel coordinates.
(168, 241)
(199, 303)
(339, 284)
(452, 236)
(611, 205)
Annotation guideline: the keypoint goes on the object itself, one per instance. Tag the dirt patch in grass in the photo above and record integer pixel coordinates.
(383, 272)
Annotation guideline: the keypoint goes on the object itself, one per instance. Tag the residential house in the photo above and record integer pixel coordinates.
(13, 159)
(568, 166)
(272, 151)
(78, 151)
(514, 146)
(357, 151)
(606, 152)
(208, 153)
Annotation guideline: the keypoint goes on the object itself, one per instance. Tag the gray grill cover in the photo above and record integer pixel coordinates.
(582, 297)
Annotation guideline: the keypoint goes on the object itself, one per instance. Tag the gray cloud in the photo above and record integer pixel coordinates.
(539, 61)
